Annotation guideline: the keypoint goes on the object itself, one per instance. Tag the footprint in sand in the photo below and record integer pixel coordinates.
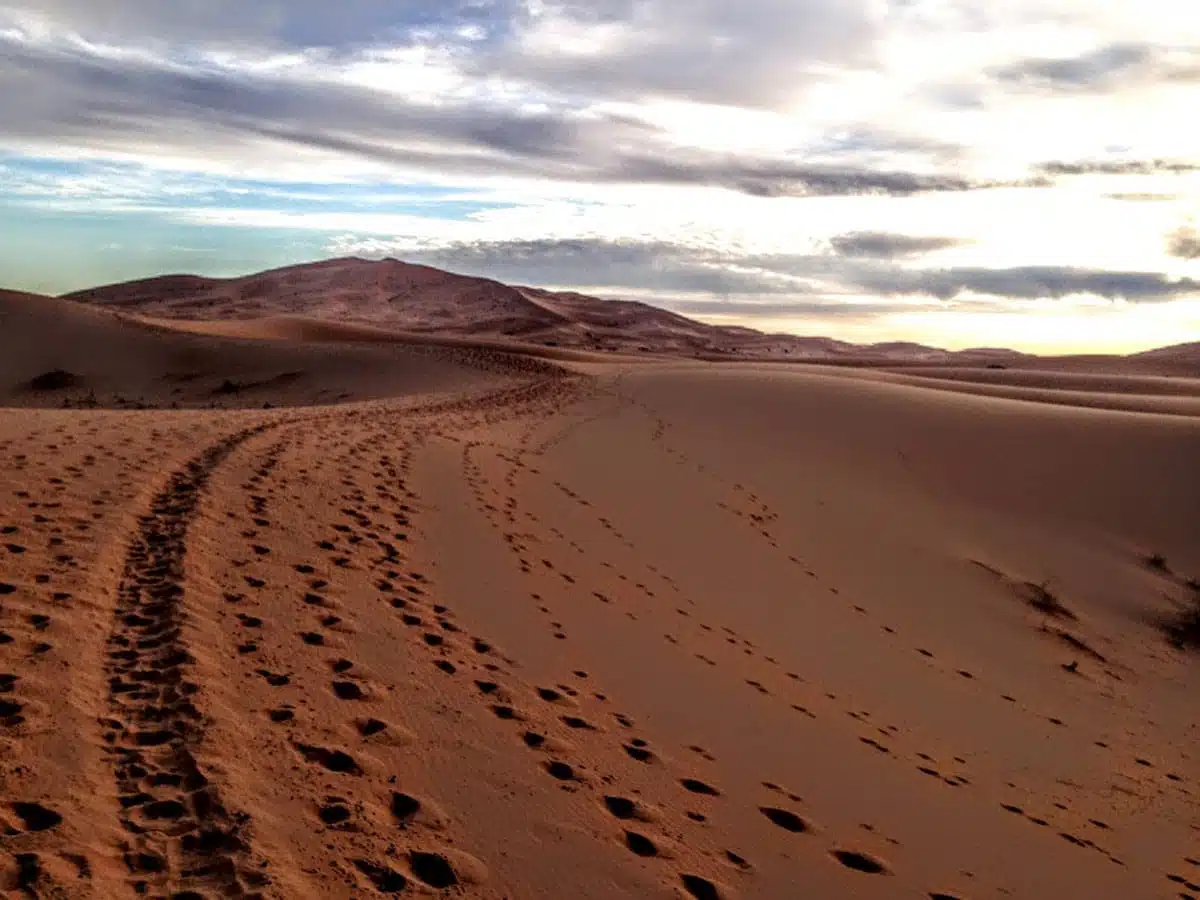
(348, 690)
(860, 862)
(638, 750)
(561, 770)
(785, 819)
(699, 787)
(334, 760)
(702, 888)
(36, 817)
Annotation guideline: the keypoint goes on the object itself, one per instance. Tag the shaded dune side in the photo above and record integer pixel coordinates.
(59, 353)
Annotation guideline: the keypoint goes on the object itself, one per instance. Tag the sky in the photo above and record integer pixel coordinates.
(1022, 174)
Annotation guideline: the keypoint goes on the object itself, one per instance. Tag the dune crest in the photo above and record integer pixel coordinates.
(394, 295)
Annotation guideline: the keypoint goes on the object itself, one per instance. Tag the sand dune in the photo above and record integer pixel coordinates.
(602, 626)
(368, 299)
(659, 631)
(1094, 382)
(59, 353)
(401, 296)
(1184, 354)
(1095, 390)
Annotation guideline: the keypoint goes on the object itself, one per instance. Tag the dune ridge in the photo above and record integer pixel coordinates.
(414, 298)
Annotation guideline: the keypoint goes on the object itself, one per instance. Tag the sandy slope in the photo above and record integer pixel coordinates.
(395, 295)
(1102, 388)
(660, 630)
(108, 359)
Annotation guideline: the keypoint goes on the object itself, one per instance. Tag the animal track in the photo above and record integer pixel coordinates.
(699, 787)
(786, 820)
(179, 835)
(860, 862)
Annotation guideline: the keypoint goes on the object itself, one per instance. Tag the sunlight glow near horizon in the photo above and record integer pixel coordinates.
(865, 170)
(1050, 333)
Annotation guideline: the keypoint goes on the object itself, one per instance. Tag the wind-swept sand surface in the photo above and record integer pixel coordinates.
(652, 630)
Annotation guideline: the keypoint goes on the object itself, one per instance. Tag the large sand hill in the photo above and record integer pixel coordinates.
(59, 353)
(499, 628)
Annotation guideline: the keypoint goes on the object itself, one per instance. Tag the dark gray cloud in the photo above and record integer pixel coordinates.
(1085, 72)
(1118, 167)
(1184, 243)
(673, 268)
(889, 278)
(61, 94)
(1028, 283)
(888, 245)
(634, 265)
(1107, 68)
(761, 309)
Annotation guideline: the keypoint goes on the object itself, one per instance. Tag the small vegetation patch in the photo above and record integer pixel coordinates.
(54, 380)
(1076, 643)
(1157, 562)
(1183, 630)
(1041, 598)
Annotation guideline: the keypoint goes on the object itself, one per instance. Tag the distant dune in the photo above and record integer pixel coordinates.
(353, 329)
(1187, 354)
(393, 295)
(413, 298)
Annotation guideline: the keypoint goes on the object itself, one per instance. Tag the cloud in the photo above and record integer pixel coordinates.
(277, 24)
(678, 269)
(1030, 283)
(783, 178)
(789, 309)
(886, 245)
(1184, 243)
(638, 265)
(1089, 71)
(1118, 167)
(1111, 67)
(1142, 197)
(755, 53)
(67, 94)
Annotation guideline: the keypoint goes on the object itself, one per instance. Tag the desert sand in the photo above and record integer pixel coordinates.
(371, 614)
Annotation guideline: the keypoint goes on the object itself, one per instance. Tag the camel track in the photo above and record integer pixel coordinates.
(181, 840)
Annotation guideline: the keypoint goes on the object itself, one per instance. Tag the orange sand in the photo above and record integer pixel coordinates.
(495, 628)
